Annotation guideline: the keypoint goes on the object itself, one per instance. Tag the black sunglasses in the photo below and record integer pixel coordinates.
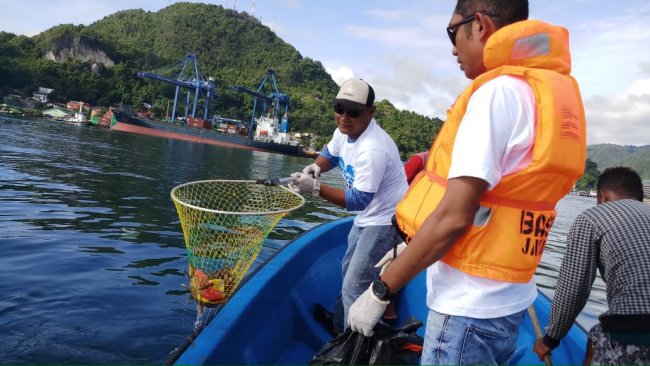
(452, 30)
(352, 112)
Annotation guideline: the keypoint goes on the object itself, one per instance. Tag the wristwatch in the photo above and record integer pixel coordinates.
(380, 290)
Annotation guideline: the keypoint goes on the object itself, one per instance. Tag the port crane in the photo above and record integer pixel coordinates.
(189, 78)
(274, 99)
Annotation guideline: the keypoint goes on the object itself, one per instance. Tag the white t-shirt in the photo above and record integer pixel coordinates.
(495, 138)
(371, 163)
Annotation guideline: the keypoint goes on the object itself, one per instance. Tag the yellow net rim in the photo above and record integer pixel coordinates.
(181, 202)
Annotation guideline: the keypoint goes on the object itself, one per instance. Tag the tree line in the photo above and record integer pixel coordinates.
(233, 48)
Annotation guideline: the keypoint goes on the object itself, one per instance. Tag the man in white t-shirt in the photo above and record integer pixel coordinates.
(374, 183)
(487, 185)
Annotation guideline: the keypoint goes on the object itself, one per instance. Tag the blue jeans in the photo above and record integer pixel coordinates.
(457, 340)
(366, 246)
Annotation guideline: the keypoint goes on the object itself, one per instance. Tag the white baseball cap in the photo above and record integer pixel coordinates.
(355, 93)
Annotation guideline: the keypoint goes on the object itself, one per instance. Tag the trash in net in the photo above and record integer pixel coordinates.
(225, 223)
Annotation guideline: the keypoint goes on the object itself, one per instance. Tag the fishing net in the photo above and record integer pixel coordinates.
(225, 223)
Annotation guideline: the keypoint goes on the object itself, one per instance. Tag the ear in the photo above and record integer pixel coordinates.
(371, 111)
(485, 26)
(608, 195)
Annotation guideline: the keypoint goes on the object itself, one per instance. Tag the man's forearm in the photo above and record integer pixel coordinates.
(427, 247)
(575, 278)
(324, 163)
(333, 194)
(452, 217)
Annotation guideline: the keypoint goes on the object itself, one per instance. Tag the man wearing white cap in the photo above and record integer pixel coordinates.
(374, 183)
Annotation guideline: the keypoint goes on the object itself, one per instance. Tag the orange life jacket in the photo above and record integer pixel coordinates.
(509, 246)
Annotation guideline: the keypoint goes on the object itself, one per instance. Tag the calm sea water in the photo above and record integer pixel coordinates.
(92, 258)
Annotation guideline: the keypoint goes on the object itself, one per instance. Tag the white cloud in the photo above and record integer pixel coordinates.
(407, 37)
(645, 69)
(621, 119)
(611, 67)
(640, 87)
(407, 62)
(340, 73)
(276, 27)
(607, 49)
(417, 72)
(416, 84)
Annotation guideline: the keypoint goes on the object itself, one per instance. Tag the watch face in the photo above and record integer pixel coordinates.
(380, 290)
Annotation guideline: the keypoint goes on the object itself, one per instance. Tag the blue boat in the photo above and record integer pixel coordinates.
(269, 319)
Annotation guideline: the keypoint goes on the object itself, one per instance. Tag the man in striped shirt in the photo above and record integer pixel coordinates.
(613, 237)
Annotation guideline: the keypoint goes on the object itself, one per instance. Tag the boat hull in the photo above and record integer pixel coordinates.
(269, 320)
(201, 135)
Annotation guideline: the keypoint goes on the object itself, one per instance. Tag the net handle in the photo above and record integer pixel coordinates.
(177, 200)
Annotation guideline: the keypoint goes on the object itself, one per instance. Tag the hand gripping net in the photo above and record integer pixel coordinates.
(225, 223)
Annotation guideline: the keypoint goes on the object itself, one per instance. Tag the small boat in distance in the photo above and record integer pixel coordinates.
(269, 319)
(78, 118)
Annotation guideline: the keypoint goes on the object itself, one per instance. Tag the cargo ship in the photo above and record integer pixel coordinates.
(271, 125)
(270, 134)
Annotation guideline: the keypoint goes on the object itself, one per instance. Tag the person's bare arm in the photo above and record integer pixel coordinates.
(450, 220)
(323, 163)
(333, 194)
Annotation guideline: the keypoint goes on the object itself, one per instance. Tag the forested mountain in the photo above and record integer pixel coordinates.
(98, 64)
(608, 155)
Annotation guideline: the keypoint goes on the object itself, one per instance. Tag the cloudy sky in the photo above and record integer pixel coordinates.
(402, 49)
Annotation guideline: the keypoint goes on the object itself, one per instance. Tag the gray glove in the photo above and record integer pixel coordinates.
(304, 183)
(365, 313)
(313, 170)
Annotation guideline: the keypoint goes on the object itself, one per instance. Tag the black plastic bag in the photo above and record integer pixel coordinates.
(387, 346)
(349, 348)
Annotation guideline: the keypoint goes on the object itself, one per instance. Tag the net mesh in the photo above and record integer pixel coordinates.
(225, 223)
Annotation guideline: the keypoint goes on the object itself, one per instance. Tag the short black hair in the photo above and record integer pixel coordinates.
(371, 96)
(622, 180)
(506, 11)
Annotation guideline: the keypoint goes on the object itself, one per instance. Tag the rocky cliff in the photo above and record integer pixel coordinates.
(78, 49)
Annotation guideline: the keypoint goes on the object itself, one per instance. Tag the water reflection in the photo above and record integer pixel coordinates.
(93, 248)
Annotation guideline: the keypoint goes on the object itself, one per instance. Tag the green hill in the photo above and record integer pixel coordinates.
(98, 64)
(608, 155)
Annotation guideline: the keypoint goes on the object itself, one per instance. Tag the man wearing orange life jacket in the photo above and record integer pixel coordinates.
(478, 217)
